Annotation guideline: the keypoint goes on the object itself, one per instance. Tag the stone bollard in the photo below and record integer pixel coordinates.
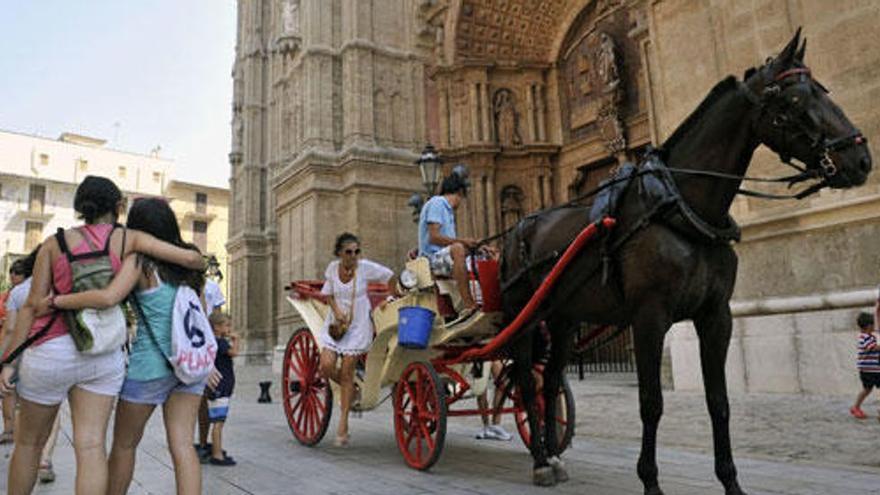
(264, 393)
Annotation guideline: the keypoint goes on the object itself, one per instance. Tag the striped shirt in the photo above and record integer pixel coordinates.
(869, 354)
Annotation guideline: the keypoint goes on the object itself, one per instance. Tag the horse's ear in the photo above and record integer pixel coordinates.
(787, 56)
(749, 73)
(800, 53)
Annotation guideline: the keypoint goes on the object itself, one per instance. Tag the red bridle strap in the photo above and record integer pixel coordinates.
(791, 72)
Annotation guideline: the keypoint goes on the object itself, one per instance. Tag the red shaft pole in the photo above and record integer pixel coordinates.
(481, 353)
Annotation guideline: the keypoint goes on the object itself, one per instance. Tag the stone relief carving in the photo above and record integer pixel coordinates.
(290, 17)
(603, 6)
(288, 41)
(512, 207)
(596, 89)
(612, 130)
(237, 128)
(606, 62)
(506, 119)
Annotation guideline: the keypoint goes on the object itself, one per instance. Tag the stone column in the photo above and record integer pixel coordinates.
(530, 113)
(548, 187)
(476, 131)
(487, 114)
(357, 72)
(490, 200)
(540, 110)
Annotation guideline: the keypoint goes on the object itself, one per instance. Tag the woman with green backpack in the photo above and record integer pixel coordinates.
(152, 287)
(62, 358)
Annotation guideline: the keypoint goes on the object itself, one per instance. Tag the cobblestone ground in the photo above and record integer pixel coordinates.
(783, 445)
(771, 426)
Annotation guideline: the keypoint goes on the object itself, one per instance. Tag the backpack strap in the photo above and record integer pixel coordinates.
(86, 232)
(152, 336)
(12, 356)
(62, 244)
(124, 233)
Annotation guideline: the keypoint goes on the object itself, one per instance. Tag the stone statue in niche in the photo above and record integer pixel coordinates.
(606, 62)
(237, 128)
(512, 199)
(290, 16)
(506, 119)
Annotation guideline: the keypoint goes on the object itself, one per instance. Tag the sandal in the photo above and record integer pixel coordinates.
(342, 440)
(226, 461)
(6, 437)
(46, 474)
(855, 411)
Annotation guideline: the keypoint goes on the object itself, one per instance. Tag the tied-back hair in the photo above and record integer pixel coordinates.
(343, 239)
(95, 197)
(155, 217)
(25, 266)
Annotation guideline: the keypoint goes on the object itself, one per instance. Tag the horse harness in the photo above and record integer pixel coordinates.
(788, 120)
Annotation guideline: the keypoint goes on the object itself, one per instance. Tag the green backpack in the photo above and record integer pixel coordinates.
(94, 331)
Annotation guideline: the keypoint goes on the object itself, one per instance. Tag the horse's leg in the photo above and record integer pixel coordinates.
(649, 328)
(542, 473)
(714, 330)
(560, 350)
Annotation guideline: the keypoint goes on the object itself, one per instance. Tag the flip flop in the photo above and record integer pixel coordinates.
(6, 437)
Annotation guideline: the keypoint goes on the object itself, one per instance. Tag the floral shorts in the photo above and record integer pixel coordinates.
(441, 262)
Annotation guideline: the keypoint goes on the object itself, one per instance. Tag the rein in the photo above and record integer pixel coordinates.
(789, 179)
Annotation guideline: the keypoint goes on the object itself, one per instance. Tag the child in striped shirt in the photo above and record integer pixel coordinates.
(868, 362)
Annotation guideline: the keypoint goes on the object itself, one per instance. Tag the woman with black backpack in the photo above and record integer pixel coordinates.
(55, 365)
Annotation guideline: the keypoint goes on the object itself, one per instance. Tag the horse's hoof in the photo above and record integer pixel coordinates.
(734, 490)
(559, 470)
(654, 490)
(543, 476)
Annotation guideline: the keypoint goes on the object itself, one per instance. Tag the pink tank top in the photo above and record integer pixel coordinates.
(62, 277)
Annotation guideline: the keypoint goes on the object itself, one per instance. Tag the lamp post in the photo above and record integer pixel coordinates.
(430, 166)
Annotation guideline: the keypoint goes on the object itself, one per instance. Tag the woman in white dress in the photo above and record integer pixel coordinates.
(357, 339)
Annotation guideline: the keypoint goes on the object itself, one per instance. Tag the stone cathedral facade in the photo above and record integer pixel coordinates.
(334, 99)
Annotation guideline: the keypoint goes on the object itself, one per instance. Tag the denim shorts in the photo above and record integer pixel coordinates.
(157, 391)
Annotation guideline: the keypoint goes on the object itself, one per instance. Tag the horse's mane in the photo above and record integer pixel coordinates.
(726, 85)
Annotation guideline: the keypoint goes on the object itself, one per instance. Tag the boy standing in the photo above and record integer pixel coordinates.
(868, 362)
(218, 398)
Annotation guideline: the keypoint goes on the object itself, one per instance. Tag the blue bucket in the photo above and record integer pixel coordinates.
(414, 327)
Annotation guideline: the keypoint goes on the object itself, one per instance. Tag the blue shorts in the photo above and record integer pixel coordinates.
(156, 391)
(218, 409)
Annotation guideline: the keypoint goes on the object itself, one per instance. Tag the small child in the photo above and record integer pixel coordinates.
(868, 362)
(218, 398)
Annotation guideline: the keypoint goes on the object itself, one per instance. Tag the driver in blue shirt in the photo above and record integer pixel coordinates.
(438, 242)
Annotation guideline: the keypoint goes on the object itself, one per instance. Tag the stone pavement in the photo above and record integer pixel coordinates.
(601, 460)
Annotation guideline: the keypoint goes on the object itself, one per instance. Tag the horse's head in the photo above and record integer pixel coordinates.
(799, 120)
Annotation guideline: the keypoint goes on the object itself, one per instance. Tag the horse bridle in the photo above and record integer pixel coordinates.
(788, 124)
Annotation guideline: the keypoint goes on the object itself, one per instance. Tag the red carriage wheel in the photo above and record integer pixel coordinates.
(308, 399)
(565, 416)
(420, 415)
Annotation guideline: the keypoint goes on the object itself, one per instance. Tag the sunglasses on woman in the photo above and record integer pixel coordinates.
(352, 252)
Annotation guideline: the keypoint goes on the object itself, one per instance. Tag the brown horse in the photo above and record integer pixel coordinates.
(671, 260)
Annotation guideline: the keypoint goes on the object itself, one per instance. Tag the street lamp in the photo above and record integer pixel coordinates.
(430, 166)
